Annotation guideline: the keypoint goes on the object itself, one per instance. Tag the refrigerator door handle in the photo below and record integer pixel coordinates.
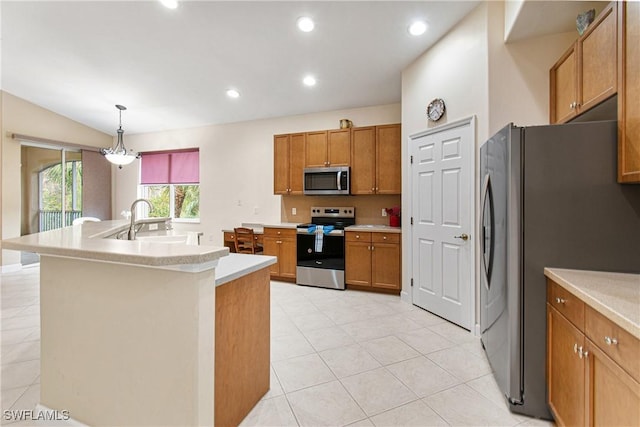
(487, 246)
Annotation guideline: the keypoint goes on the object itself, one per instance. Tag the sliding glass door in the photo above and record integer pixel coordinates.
(52, 188)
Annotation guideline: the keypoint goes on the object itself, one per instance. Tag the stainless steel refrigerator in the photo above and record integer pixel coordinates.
(549, 199)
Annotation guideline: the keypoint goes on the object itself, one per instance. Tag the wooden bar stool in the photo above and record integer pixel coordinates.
(245, 241)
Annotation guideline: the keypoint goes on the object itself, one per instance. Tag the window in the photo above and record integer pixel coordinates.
(170, 180)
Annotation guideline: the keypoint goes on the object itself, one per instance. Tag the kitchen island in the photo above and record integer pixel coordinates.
(128, 333)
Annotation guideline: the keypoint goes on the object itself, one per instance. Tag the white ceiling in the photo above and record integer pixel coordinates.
(171, 68)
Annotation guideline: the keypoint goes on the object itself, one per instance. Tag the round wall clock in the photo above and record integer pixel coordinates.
(435, 109)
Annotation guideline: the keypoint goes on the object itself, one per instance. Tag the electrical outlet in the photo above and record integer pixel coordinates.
(239, 202)
(384, 212)
(294, 211)
(255, 210)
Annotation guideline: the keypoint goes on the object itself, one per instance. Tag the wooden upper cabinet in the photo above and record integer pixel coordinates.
(288, 163)
(328, 148)
(564, 87)
(375, 160)
(599, 79)
(586, 74)
(281, 164)
(388, 168)
(629, 92)
(363, 160)
(316, 149)
(296, 163)
(339, 147)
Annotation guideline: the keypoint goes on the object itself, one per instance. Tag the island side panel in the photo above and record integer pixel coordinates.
(127, 345)
(242, 365)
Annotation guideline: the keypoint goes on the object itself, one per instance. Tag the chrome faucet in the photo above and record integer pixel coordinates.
(132, 227)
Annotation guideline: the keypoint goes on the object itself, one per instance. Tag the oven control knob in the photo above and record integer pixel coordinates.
(345, 211)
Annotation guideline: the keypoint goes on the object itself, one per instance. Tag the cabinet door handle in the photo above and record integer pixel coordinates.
(368, 248)
(278, 241)
(560, 300)
(582, 354)
(610, 341)
(575, 348)
(372, 247)
(357, 236)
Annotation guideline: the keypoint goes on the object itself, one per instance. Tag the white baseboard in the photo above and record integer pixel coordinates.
(11, 268)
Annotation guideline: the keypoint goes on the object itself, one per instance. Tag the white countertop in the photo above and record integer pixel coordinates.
(614, 295)
(374, 228)
(259, 228)
(86, 241)
(234, 266)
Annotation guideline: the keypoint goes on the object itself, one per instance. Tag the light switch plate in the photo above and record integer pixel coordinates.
(294, 211)
(384, 212)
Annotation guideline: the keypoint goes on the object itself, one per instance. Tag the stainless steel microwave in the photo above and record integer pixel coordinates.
(326, 181)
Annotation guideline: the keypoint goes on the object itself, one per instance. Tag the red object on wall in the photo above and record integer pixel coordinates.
(394, 221)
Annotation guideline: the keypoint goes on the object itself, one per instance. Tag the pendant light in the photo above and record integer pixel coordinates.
(119, 154)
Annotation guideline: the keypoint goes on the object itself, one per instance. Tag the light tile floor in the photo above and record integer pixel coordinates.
(338, 358)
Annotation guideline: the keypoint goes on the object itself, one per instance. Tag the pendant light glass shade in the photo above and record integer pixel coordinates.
(119, 155)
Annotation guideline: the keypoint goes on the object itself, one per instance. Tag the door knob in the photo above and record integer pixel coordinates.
(463, 236)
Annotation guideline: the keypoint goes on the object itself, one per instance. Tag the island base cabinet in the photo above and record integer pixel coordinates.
(565, 370)
(242, 355)
(124, 344)
(614, 396)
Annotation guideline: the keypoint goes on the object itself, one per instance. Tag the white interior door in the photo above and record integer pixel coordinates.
(442, 178)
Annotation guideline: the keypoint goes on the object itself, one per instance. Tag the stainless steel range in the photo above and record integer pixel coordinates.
(320, 247)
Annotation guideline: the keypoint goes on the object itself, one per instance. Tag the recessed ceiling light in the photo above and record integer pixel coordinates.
(232, 93)
(305, 24)
(170, 4)
(417, 28)
(309, 81)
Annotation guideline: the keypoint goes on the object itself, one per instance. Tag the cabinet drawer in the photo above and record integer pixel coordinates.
(280, 232)
(617, 343)
(357, 236)
(229, 237)
(385, 237)
(566, 303)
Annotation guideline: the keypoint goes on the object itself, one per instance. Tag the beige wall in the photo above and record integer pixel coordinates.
(236, 167)
(22, 117)
(519, 73)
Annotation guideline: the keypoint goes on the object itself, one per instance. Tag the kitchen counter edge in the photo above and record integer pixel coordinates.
(374, 228)
(614, 295)
(86, 241)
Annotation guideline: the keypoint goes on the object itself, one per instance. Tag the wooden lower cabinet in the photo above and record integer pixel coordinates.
(585, 385)
(281, 243)
(614, 396)
(372, 259)
(565, 370)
